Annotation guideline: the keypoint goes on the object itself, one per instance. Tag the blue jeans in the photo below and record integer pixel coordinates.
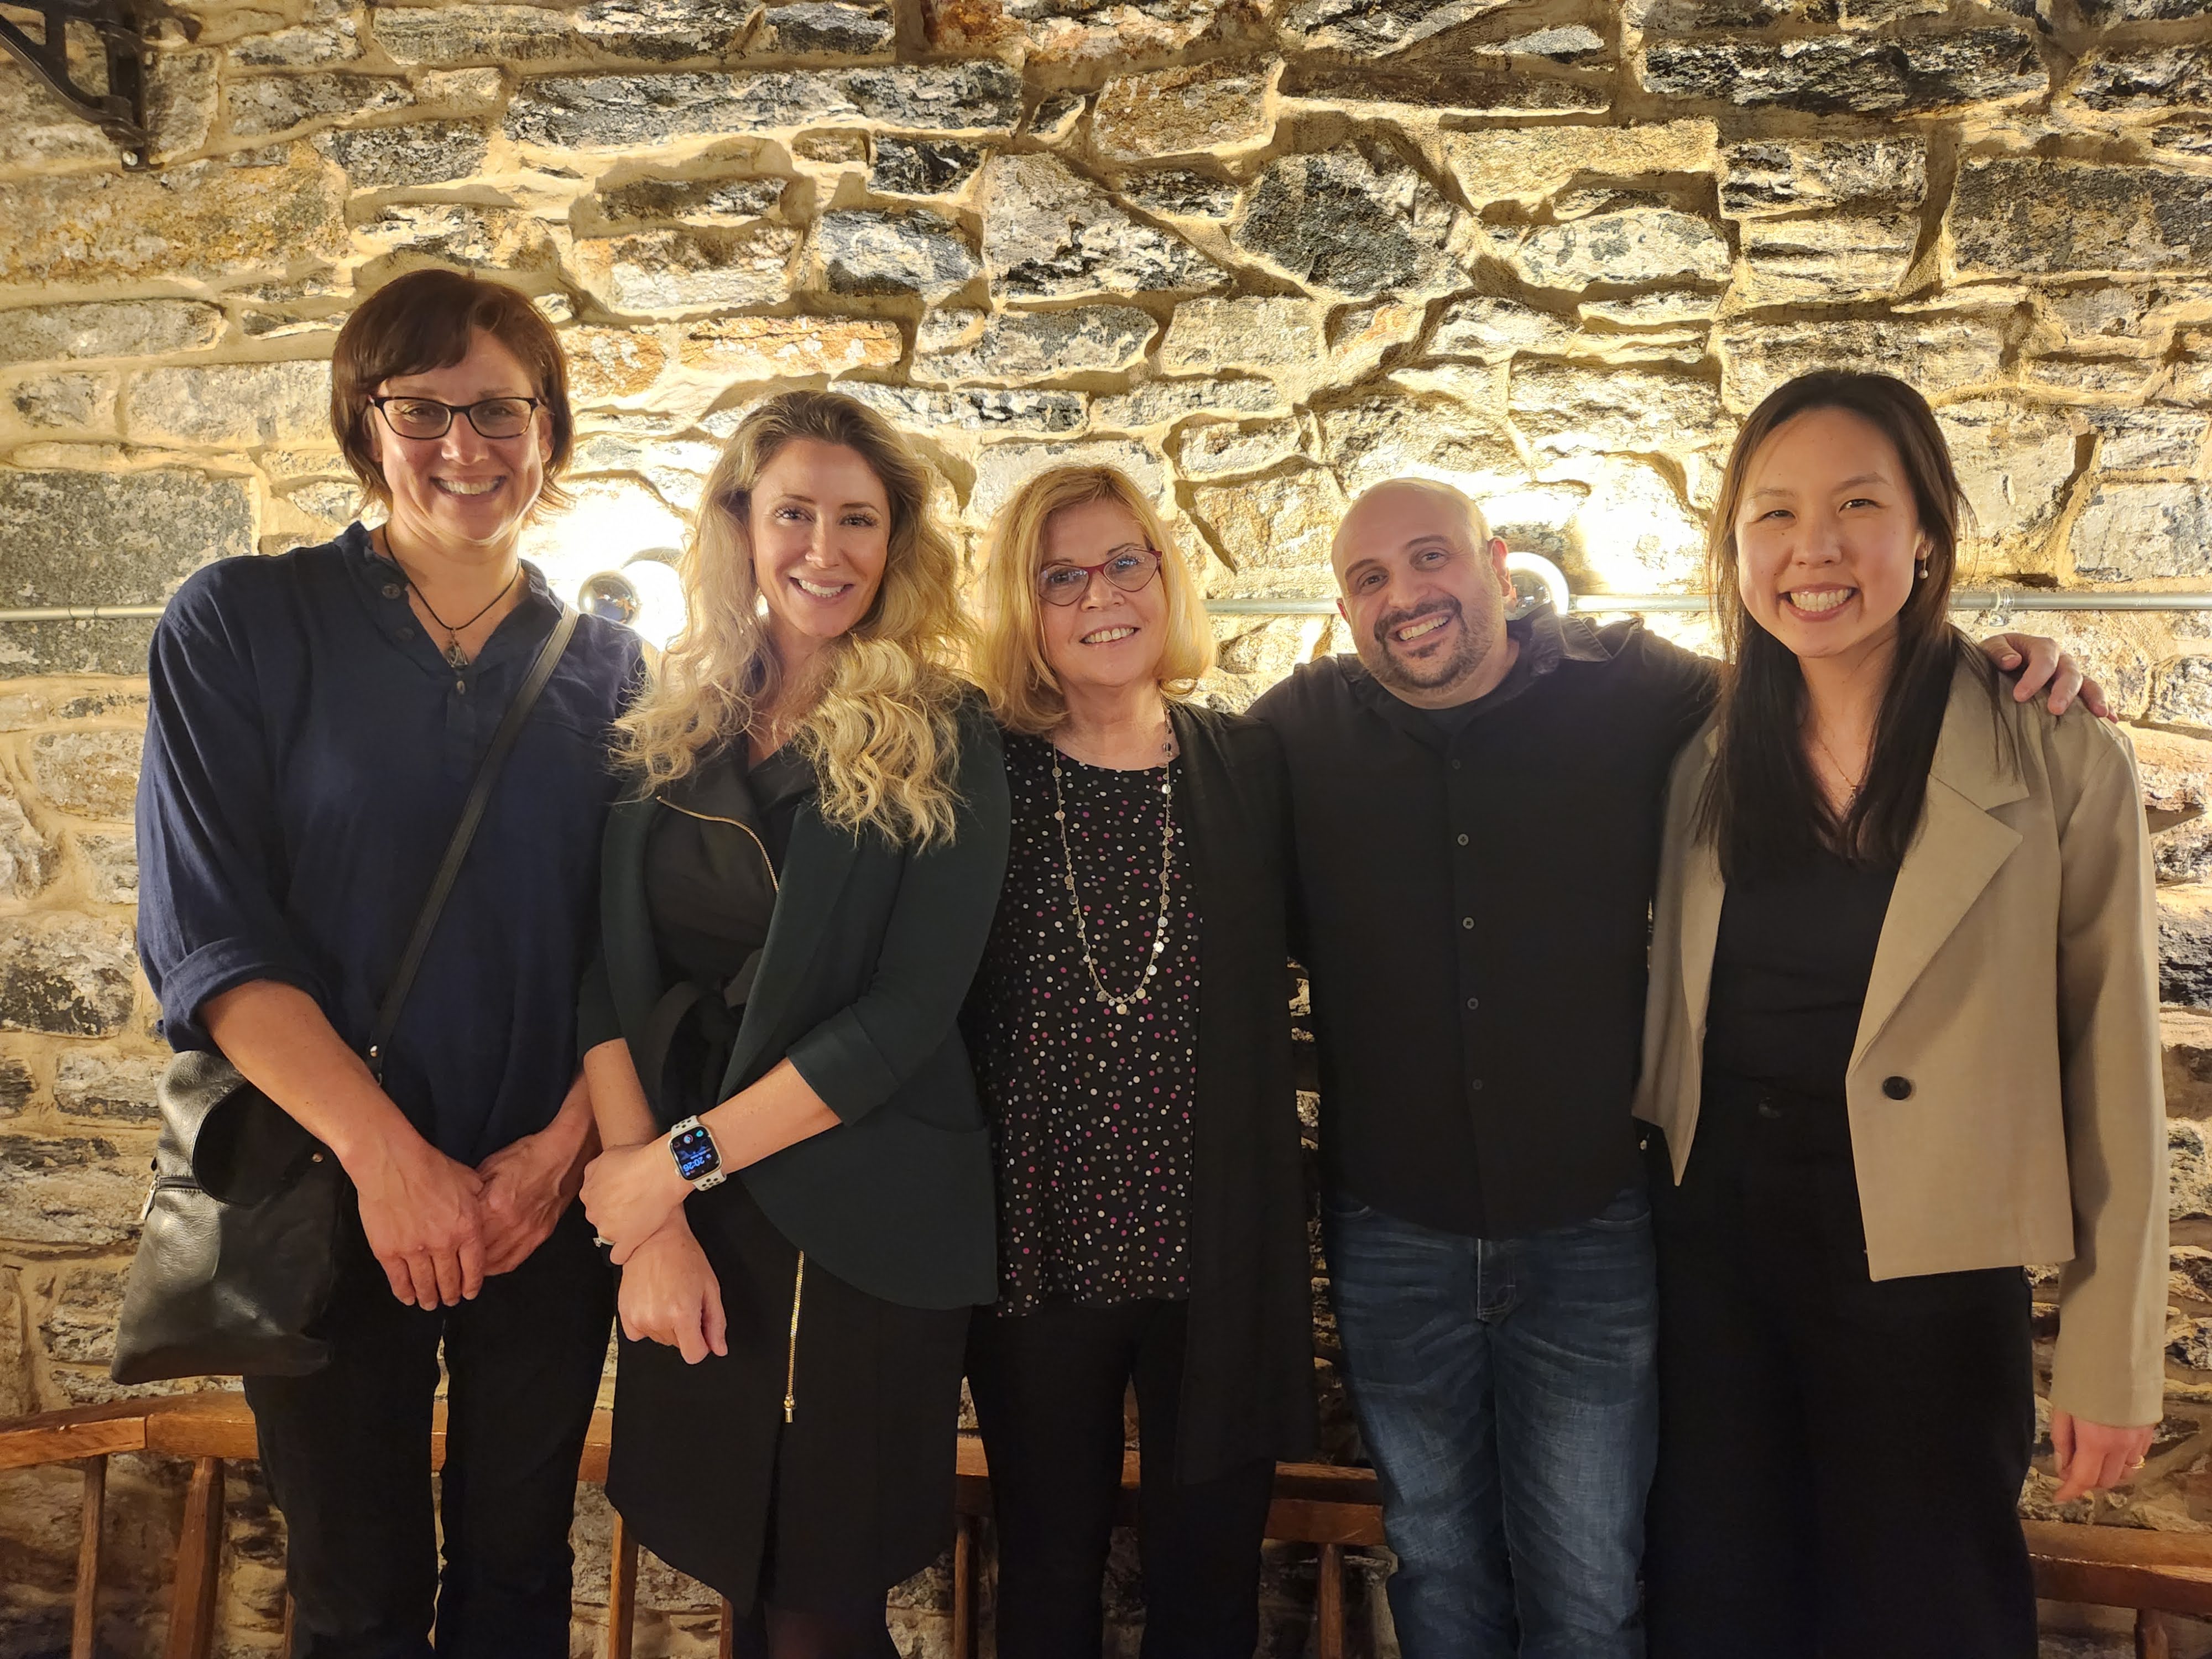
(1506, 1389)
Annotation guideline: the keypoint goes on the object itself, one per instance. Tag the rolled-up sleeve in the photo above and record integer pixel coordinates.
(855, 1059)
(210, 851)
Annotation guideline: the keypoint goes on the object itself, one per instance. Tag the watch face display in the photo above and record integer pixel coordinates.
(695, 1153)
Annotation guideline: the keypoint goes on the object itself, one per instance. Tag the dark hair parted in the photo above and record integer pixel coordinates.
(1763, 808)
(427, 320)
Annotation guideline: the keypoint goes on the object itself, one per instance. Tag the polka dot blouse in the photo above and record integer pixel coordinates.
(1089, 1109)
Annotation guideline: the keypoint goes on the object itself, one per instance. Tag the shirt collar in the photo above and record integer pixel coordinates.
(373, 569)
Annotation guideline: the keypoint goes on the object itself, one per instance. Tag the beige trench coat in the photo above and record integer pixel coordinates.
(2013, 1005)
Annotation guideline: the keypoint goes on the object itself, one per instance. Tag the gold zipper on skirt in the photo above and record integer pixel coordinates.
(791, 1359)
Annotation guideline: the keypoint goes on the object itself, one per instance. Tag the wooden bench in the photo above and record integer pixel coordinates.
(1332, 1507)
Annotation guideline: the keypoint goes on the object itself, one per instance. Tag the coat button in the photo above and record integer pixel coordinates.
(393, 590)
(1898, 1088)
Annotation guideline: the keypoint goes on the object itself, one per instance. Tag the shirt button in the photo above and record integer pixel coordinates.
(1474, 1083)
(461, 688)
(1463, 840)
(1475, 1002)
(1455, 766)
(1467, 922)
(393, 590)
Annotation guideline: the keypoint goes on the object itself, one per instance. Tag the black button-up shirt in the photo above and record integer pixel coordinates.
(307, 751)
(1475, 899)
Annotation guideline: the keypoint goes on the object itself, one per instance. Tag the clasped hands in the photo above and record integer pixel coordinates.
(634, 1197)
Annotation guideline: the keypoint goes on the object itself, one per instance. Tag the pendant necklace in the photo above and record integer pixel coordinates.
(1120, 1003)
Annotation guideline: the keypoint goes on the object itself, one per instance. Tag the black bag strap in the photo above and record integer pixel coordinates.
(473, 811)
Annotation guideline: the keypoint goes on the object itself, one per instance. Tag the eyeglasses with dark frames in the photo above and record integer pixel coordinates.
(1130, 568)
(426, 417)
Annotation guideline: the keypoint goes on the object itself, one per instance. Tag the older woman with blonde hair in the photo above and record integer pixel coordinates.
(1131, 1034)
(794, 898)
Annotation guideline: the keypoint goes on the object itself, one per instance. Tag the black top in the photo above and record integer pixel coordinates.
(1790, 966)
(1475, 917)
(711, 864)
(307, 752)
(869, 954)
(1089, 1106)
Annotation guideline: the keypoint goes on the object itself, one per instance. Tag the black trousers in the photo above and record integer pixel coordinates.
(347, 1454)
(1840, 1460)
(1048, 1387)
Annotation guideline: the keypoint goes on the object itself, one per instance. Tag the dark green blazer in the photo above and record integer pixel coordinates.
(867, 960)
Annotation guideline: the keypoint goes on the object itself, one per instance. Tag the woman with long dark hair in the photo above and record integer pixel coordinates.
(798, 1184)
(1902, 1040)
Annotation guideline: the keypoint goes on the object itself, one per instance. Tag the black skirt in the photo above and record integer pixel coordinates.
(849, 1495)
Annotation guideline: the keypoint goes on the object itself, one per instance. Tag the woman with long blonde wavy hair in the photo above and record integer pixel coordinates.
(1131, 1031)
(795, 898)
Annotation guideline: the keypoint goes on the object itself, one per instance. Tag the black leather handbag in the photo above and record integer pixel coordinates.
(237, 1246)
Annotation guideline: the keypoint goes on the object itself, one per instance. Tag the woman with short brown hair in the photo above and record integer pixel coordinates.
(316, 720)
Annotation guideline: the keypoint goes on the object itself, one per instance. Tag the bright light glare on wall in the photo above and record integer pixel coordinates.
(645, 594)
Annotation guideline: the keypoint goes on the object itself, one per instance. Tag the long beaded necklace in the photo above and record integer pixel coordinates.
(1120, 1004)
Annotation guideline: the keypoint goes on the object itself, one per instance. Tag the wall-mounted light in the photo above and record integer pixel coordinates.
(645, 594)
(1538, 581)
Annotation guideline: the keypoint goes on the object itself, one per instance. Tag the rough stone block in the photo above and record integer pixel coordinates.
(1932, 351)
(37, 128)
(2147, 78)
(924, 166)
(1636, 244)
(91, 774)
(2018, 214)
(1632, 532)
(308, 45)
(107, 328)
(2150, 439)
(663, 31)
(19, 1398)
(1208, 109)
(913, 253)
(613, 112)
(1561, 409)
(267, 105)
(827, 28)
(1829, 258)
(1377, 28)
(102, 539)
(2181, 694)
(770, 348)
(82, 402)
(65, 975)
(498, 239)
(1529, 165)
(1773, 176)
(204, 219)
(182, 96)
(111, 868)
(1036, 345)
(1163, 403)
(2176, 773)
(1435, 423)
(1053, 32)
(1275, 532)
(1003, 468)
(1044, 414)
(77, 1191)
(2129, 531)
(690, 201)
(1208, 336)
(28, 857)
(444, 35)
(1050, 234)
(1447, 75)
(2014, 463)
(1491, 329)
(78, 1327)
(17, 1089)
(426, 153)
(677, 270)
(229, 405)
(1563, 43)
(1853, 74)
(1178, 193)
(2184, 944)
(1218, 450)
(1355, 220)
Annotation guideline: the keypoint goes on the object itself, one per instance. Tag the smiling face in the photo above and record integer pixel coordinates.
(464, 492)
(1828, 535)
(1424, 590)
(819, 523)
(1110, 638)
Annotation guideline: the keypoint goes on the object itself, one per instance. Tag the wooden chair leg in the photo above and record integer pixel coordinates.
(85, 1626)
(622, 1590)
(2151, 1636)
(729, 1647)
(284, 1640)
(964, 1588)
(199, 1560)
(1329, 1604)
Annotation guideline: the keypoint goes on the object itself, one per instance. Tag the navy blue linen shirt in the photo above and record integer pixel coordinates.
(307, 751)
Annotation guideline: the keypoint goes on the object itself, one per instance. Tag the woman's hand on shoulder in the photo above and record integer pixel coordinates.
(670, 1294)
(2092, 1456)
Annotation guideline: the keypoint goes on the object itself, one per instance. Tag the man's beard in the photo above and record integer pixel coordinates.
(1388, 667)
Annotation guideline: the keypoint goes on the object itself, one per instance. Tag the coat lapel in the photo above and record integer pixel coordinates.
(1959, 848)
(626, 926)
(1703, 893)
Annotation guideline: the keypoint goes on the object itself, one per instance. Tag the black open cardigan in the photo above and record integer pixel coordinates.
(1247, 1381)
(867, 960)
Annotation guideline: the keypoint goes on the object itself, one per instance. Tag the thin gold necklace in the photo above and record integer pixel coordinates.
(1850, 784)
(1120, 1004)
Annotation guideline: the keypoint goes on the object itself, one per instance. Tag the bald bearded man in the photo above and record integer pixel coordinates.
(1477, 808)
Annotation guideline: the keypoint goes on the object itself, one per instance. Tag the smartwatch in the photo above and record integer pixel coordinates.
(697, 1160)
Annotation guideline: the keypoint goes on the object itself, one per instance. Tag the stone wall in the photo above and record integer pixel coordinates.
(1261, 252)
